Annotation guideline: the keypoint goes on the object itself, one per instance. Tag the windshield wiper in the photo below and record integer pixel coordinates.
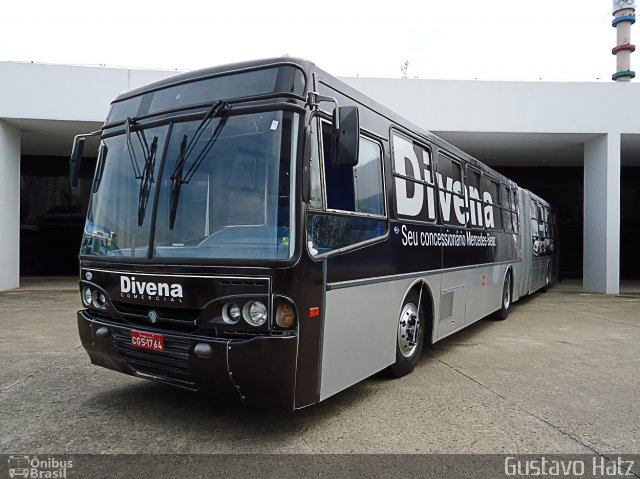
(146, 174)
(102, 158)
(132, 152)
(178, 177)
(147, 180)
(176, 183)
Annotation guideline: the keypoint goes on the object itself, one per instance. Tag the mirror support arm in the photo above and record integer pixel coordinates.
(76, 155)
(314, 99)
(344, 141)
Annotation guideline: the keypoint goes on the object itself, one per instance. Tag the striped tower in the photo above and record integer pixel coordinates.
(624, 16)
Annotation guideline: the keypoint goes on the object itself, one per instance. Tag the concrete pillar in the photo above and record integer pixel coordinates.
(9, 206)
(601, 260)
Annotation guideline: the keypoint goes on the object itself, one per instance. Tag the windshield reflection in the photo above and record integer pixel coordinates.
(116, 222)
(236, 203)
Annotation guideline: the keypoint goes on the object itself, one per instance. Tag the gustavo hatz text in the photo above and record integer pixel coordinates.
(599, 467)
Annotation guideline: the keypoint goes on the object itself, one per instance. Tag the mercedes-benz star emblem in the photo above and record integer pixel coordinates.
(153, 317)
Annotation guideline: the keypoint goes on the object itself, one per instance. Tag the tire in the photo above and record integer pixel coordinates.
(505, 300)
(547, 279)
(409, 337)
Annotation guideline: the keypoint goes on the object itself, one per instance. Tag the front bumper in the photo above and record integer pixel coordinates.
(259, 371)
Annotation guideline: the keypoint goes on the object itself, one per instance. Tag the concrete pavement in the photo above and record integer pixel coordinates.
(560, 375)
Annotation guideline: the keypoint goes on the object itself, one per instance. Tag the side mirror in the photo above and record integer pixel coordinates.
(345, 136)
(76, 160)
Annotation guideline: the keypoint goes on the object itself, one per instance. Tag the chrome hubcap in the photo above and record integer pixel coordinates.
(408, 330)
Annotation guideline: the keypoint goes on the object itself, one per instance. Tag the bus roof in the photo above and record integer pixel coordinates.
(323, 77)
(203, 73)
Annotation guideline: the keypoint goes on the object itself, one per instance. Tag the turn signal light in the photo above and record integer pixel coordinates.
(285, 317)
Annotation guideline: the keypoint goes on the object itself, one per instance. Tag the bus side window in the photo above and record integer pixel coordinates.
(548, 231)
(358, 189)
(552, 231)
(339, 182)
(535, 228)
(514, 209)
(540, 221)
(475, 198)
(367, 178)
(491, 203)
(505, 202)
(355, 208)
(413, 182)
(451, 191)
(316, 175)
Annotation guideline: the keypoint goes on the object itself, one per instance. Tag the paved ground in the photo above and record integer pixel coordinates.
(561, 375)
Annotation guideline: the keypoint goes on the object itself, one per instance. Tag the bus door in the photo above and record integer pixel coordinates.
(347, 211)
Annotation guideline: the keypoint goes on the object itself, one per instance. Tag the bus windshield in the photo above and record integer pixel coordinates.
(222, 190)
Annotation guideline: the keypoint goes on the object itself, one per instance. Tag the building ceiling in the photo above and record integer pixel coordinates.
(55, 138)
(535, 149)
(631, 150)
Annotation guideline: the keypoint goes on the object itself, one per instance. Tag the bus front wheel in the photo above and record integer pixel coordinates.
(410, 337)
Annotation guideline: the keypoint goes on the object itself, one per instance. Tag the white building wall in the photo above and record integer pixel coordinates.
(9, 206)
(498, 106)
(55, 93)
(83, 94)
(63, 92)
(538, 107)
(601, 257)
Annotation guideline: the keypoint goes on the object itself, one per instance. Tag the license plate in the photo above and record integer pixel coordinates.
(151, 341)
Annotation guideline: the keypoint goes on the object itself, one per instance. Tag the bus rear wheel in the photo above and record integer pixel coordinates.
(505, 301)
(410, 337)
(547, 279)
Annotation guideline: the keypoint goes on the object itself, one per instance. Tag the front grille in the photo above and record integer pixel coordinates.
(173, 319)
(169, 367)
(246, 334)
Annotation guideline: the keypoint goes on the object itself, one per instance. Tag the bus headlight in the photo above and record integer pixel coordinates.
(231, 313)
(255, 313)
(86, 296)
(99, 299)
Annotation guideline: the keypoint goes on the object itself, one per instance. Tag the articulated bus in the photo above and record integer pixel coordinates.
(265, 233)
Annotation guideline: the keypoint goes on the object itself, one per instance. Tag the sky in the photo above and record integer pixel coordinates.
(550, 40)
